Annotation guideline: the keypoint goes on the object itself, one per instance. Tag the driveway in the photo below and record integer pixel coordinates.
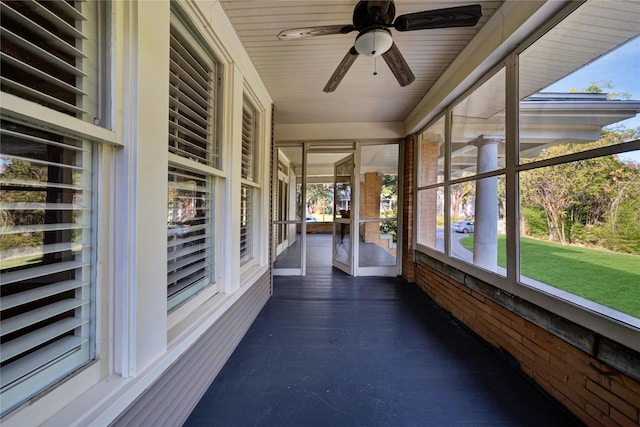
(457, 250)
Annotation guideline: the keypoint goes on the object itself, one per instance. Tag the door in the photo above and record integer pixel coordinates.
(376, 227)
(343, 178)
(288, 246)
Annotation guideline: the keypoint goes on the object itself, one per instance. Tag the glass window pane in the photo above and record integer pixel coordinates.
(246, 224)
(477, 229)
(477, 130)
(45, 260)
(581, 229)
(431, 218)
(249, 138)
(192, 100)
(432, 154)
(342, 243)
(580, 89)
(189, 234)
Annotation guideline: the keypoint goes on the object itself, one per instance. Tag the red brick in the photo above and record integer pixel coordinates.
(540, 352)
(595, 413)
(525, 353)
(569, 393)
(526, 332)
(577, 358)
(511, 332)
(622, 420)
(626, 408)
(623, 387)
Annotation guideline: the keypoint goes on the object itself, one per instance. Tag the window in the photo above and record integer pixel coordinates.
(245, 224)
(467, 168)
(47, 52)
(194, 162)
(574, 167)
(579, 158)
(47, 236)
(430, 223)
(477, 148)
(249, 187)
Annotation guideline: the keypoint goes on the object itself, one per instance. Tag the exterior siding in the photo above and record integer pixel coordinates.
(170, 400)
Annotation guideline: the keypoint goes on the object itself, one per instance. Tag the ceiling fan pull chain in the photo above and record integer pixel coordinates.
(375, 65)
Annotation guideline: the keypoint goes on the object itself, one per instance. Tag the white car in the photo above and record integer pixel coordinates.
(463, 227)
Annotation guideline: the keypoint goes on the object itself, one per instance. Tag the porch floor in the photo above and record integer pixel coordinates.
(341, 351)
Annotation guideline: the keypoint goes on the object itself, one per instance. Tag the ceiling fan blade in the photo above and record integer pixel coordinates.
(463, 16)
(398, 66)
(300, 33)
(342, 69)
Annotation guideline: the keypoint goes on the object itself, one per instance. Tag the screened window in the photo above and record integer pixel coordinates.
(574, 167)
(431, 152)
(194, 156)
(47, 321)
(579, 157)
(466, 168)
(250, 187)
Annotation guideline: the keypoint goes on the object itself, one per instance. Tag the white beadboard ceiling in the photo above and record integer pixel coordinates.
(295, 71)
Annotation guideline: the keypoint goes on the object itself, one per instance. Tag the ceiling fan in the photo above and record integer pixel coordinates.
(372, 20)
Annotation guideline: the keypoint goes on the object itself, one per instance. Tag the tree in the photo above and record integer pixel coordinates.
(593, 201)
(319, 198)
(598, 86)
(549, 188)
(460, 195)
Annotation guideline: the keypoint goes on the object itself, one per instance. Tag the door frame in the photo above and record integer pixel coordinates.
(342, 223)
(348, 149)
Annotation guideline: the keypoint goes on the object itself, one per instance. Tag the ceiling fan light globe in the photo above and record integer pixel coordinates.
(373, 43)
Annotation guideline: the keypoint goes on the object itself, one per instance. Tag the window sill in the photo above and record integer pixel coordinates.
(251, 272)
(608, 323)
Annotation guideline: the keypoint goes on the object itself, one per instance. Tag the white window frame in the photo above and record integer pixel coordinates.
(253, 185)
(208, 286)
(79, 125)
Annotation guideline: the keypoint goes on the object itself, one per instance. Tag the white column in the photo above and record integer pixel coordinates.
(485, 241)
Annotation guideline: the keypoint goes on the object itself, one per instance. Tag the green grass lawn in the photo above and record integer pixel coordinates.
(609, 278)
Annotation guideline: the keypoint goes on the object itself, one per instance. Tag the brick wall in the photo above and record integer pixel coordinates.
(407, 209)
(593, 391)
(568, 364)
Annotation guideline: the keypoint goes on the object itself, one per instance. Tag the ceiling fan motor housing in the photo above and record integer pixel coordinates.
(363, 18)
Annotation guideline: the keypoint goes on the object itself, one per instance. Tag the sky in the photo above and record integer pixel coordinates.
(621, 68)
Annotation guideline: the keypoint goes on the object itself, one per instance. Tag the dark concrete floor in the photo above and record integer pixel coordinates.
(344, 351)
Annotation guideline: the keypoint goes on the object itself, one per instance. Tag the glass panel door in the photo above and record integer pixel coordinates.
(287, 214)
(342, 225)
(377, 222)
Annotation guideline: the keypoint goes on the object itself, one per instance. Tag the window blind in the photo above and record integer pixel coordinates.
(248, 141)
(249, 133)
(192, 136)
(191, 106)
(41, 53)
(48, 55)
(245, 223)
(189, 234)
(45, 258)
